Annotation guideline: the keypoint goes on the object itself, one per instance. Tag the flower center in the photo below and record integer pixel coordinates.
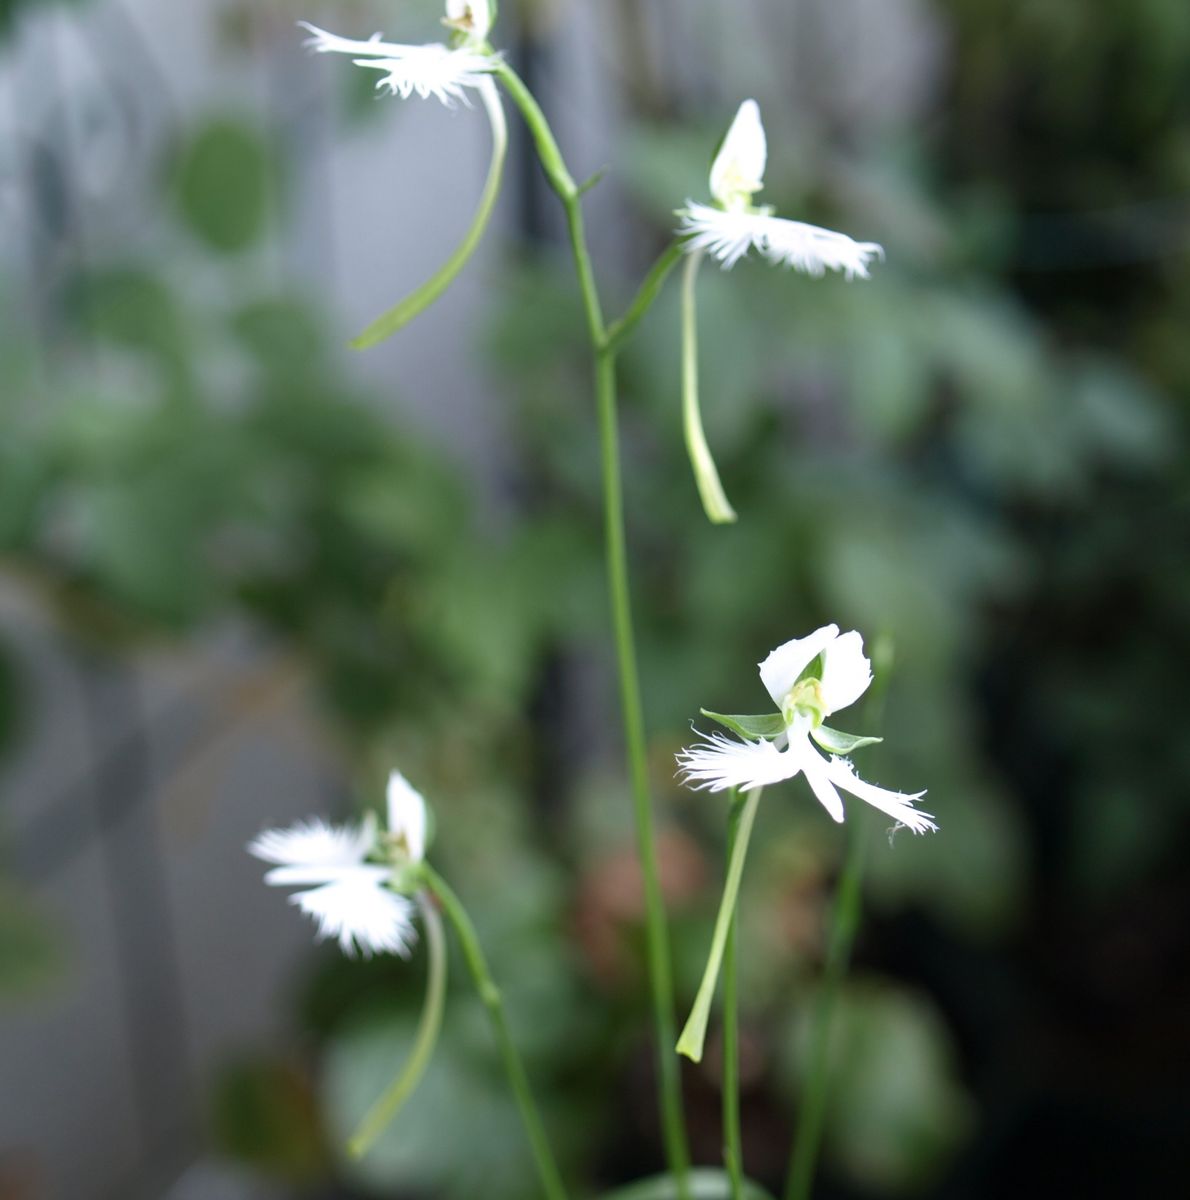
(804, 699)
(396, 848)
(737, 187)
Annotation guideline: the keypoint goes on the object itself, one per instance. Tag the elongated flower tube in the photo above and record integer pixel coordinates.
(727, 229)
(449, 73)
(732, 225)
(808, 679)
(342, 886)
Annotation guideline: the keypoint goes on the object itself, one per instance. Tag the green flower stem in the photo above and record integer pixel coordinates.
(383, 1111)
(695, 1032)
(619, 331)
(844, 924)
(732, 1141)
(547, 146)
(404, 312)
(706, 475)
(657, 935)
(489, 993)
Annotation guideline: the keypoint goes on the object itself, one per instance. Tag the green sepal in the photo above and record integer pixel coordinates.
(705, 1183)
(837, 742)
(765, 725)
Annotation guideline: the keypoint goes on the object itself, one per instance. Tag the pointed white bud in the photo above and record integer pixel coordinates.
(737, 173)
(406, 816)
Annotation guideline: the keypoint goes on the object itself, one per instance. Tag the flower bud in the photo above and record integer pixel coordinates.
(738, 170)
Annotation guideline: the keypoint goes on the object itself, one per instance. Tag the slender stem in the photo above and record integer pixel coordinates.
(732, 1141)
(551, 158)
(385, 1108)
(844, 924)
(619, 331)
(489, 993)
(695, 1032)
(657, 935)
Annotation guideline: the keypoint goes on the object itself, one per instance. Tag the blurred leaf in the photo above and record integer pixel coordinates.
(30, 952)
(896, 1109)
(460, 1137)
(283, 335)
(265, 1114)
(227, 182)
(137, 309)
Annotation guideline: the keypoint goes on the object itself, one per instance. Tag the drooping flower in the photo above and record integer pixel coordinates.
(434, 69)
(808, 679)
(344, 888)
(449, 73)
(732, 226)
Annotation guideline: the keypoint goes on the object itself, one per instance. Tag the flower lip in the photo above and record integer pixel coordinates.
(432, 70)
(346, 895)
(360, 914)
(763, 755)
(728, 236)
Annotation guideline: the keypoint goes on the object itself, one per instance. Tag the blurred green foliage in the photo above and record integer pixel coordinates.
(975, 454)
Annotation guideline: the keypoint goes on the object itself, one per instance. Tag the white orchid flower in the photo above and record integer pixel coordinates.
(434, 69)
(349, 895)
(808, 679)
(732, 226)
(448, 73)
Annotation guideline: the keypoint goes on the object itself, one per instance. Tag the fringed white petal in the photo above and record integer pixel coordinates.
(846, 672)
(361, 914)
(407, 815)
(814, 250)
(815, 769)
(719, 762)
(315, 843)
(896, 804)
(432, 70)
(780, 671)
(314, 875)
(322, 42)
(738, 170)
(728, 236)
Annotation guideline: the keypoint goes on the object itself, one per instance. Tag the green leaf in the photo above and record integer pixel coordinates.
(765, 725)
(706, 1183)
(226, 183)
(838, 742)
